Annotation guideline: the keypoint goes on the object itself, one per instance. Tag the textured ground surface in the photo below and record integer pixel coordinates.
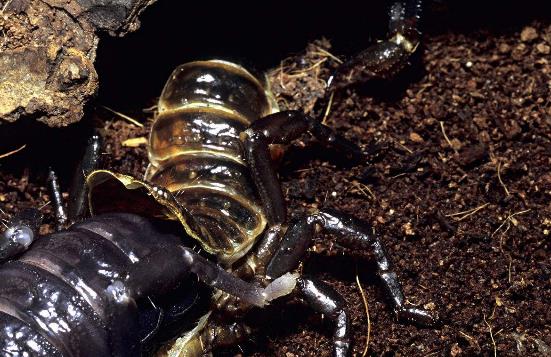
(459, 188)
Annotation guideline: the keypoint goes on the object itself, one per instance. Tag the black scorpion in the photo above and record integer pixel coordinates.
(98, 288)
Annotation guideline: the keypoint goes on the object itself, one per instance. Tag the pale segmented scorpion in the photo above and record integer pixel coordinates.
(110, 284)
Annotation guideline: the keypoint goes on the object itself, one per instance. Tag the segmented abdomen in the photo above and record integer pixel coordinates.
(74, 293)
(195, 150)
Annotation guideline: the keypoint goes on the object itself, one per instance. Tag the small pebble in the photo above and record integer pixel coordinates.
(543, 48)
(504, 48)
(528, 34)
(416, 138)
(408, 229)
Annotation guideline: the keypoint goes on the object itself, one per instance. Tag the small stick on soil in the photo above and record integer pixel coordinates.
(13, 151)
(5, 7)
(509, 269)
(403, 146)
(366, 314)
(509, 218)
(363, 188)
(466, 336)
(491, 336)
(329, 54)
(467, 213)
(303, 72)
(500, 180)
(446, 136)
(124, 116)
(328, 109)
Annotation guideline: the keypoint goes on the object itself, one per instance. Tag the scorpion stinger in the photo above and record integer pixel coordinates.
(386, 58)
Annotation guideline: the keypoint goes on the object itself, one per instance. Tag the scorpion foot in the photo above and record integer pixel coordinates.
(418, 317)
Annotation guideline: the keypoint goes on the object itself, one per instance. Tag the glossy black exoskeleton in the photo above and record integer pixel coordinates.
(89, 290)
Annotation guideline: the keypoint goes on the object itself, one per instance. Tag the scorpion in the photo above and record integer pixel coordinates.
(119, 282)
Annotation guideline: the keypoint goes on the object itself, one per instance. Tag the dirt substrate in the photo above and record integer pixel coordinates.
(458, 187)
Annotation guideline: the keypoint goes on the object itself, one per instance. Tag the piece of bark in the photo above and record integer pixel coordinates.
(47, 53)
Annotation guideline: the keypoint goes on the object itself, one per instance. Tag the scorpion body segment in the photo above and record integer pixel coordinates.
(75, 292)
(88, 290)
(196, 153)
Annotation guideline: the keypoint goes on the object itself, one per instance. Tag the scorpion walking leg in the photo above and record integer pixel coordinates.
(351, 233)
(386, 58)
(78, 203)
(324, 299)
(23, 228)
(57, 200)
(280, 128)
(175, 265)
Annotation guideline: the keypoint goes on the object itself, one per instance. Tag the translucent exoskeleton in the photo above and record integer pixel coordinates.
(196, 153)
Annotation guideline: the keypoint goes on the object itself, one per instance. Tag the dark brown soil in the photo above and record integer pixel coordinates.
(459, 188)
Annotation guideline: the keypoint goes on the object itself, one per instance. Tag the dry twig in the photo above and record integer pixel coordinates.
(509, 219)
(466, 213)
(491, 336)
(328, 109)
(446, 136)
(13, 151)
(367, 316)
(328, 54)
(500, 180)
(124, 116)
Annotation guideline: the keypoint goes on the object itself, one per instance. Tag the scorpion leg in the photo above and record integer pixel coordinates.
(57, 200)
(351, 233)
(386, 58)
(280, 128)
(78, 203)
(23, 227)
(210, 273)
(324, 299)
(20, 232)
